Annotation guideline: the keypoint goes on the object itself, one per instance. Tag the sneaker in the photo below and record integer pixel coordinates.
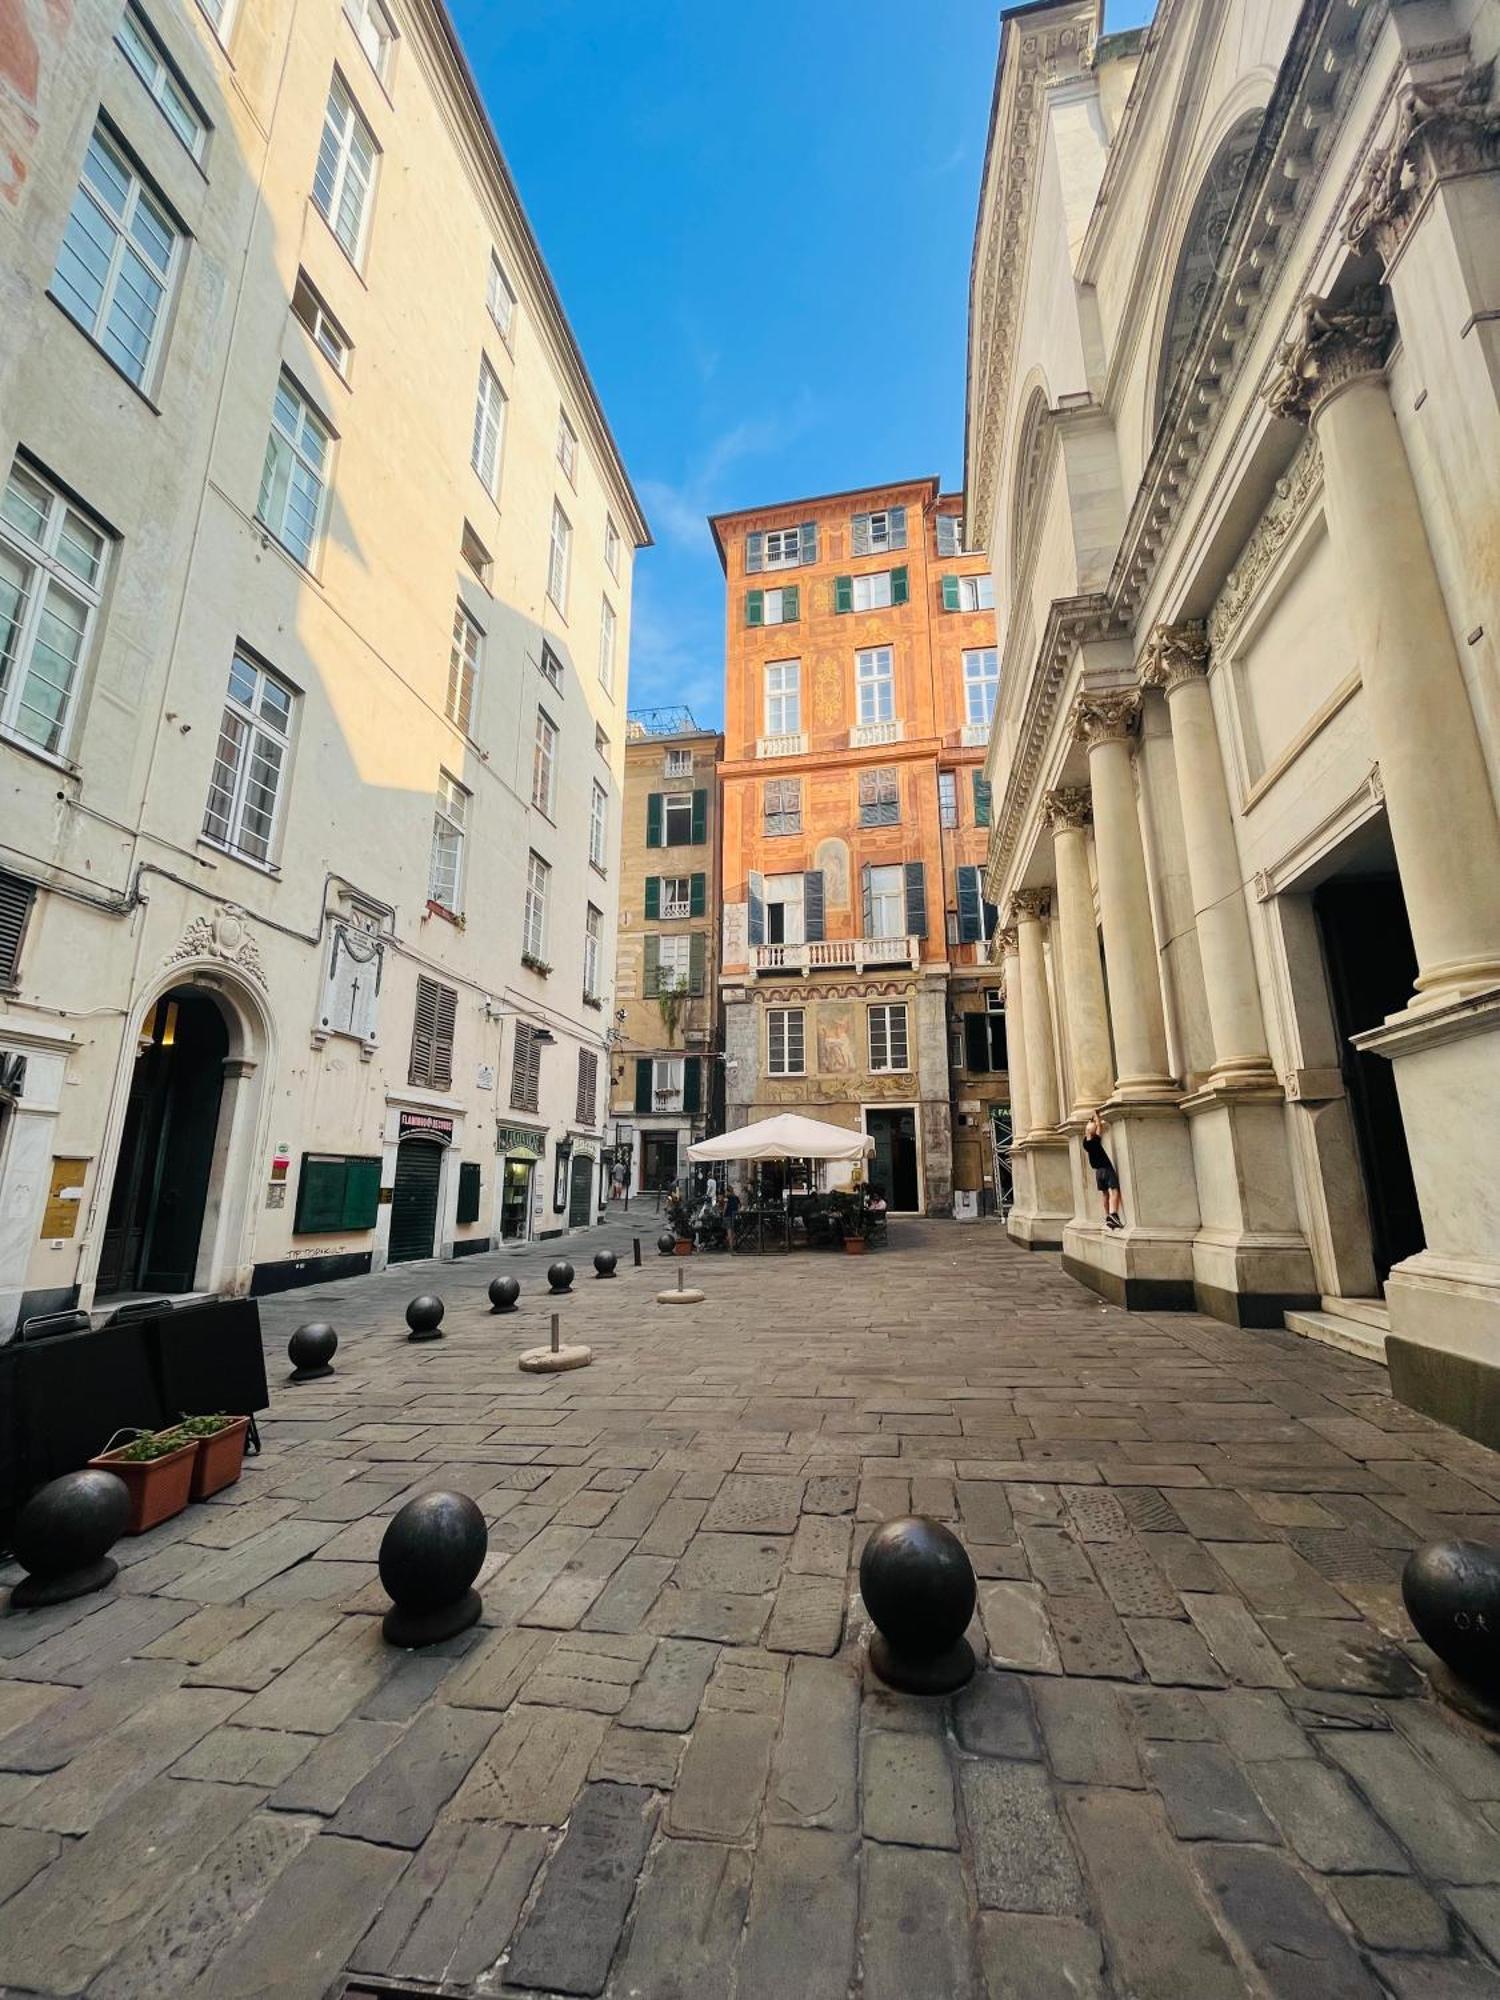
(1113, 1222)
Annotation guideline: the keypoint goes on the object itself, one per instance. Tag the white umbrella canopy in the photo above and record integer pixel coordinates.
(786, 1137)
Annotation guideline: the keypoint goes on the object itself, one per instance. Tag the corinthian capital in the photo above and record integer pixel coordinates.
(1174, 654)
(1071, 807)
(1331, 346)
(1008, 940)
(1030, 906)
(1106, 718)
(1442, 128)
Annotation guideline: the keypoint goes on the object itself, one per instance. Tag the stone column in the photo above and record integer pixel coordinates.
(1177, 660)
(1015, 1034)
(1070, 814)
(1439, 803)
(1028, 907)
(1106, 722)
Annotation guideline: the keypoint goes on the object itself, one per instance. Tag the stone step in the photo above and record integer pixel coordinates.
(1373, 1312)
(1355, 1336)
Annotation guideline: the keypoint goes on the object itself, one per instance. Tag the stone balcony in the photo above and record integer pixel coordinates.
(836, 954)
(867, 735)
(794, 744)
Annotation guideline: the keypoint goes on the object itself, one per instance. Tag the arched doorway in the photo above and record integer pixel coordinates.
(166, 1157)
(414, 1200)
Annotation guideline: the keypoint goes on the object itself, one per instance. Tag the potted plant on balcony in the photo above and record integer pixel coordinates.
(157, 1468)
(221, 1451)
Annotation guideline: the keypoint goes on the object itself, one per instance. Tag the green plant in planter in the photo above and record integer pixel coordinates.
(156, 1444)
(848, 1204)
(205, 1427)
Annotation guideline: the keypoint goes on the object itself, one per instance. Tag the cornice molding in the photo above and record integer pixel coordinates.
(1293, 495)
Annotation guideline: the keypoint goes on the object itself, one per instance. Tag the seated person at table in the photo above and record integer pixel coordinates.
(875, 1201)
(731, 1204)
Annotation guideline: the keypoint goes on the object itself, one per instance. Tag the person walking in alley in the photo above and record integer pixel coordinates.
(1105, 1178)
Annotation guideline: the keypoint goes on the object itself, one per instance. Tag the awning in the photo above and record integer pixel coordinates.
(786, 1137)
(525, 1155)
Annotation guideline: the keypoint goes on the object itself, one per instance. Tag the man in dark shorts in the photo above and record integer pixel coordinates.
(1105, 1178)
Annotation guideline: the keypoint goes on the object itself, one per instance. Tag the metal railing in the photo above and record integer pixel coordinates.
(836, 954)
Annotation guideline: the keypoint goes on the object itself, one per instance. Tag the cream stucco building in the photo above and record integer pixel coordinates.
(315, 581)
(1234, 442)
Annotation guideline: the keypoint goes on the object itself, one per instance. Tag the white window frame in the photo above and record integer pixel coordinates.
(788, 543)
(667, 1074)
(674, 961)
(559, 558)
(550, 667)
(676, 802)
(783, 697)
(567, 448)
(544, 765)
(875, 684)
(343, 125)
(262, 737)
(787, 893)
(879, 531)
(981, 684)
(534, 921)
(450, 820)
(612, 547)
(599, 826)
(779, 1028)
(886, 1028)
(220, 18)
(488, 442)
(593, 945)
(773, 604)
(608, 626)
(142, 48)
(41, 552)
(676, 897)
(476, 555)
(947, 798)
(92, 198)
(313, 315)
(888, 900)
(976, 593)
(288, 445)
(873, 590)
(465, 658)
(678, 764)
(371, 23)
(500, 298)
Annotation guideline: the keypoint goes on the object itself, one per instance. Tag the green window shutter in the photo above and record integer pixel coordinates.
(843, 593)
(950, 593)
(468, 1192)
(755, 607)
(900, 586)
(970, 930)
(916, 899)
(977, 1043)
(700, 817)
(697, 958)
(651, 984)
(809, 541)
(998, 1052)
(361, 1194)
(697, 895)
(791, 603)
(813, 918)
(643, 1083)
(653, 898)
(981, 801)
(692, 1084)
(653, 819)
(320, 1194)
(869, 904)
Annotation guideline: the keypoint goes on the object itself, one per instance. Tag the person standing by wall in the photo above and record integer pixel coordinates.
(1105, 1178)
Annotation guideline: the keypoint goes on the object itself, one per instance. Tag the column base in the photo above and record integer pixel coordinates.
(1251, 1261)
(1443, 1349)
(1043, 1197)
(1134, 1268)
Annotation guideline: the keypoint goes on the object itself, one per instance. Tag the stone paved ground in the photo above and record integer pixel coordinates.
(1199, 1764)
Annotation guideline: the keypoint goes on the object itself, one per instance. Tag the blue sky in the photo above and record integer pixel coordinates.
(761, 229)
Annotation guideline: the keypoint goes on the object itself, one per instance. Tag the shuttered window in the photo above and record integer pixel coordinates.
(879, 798)
(981, 800)
(782, 548)
(883, 529)
(489, 428)
(432, 1036)
(468, 1191)
(16, 896)
(525, 1069)
(588, 1085)
(950, 534)
(976, 918)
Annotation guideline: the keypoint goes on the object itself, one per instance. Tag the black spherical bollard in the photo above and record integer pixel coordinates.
(560, 1276)
(666, 1243)
(918, 1586)
(604, 1263)
(1452, 1593)
(62, 1536)
(503, 1294)
(424, 1316)
(310, 1351)
(429, 1557)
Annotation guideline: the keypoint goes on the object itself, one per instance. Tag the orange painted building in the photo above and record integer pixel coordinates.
(860, 679)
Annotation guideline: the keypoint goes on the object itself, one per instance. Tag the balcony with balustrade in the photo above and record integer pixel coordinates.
(836, 955)
(792, 744)
(869, 735)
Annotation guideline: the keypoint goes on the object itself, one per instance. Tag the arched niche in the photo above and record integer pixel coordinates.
(1026, 492)
(1202, 246)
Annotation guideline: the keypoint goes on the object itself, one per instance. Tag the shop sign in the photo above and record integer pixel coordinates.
(428, 1122)
(518, 1139)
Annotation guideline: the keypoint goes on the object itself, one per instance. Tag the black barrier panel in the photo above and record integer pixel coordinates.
(210, 1359)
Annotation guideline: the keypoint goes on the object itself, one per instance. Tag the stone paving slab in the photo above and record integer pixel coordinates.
(1199, 1759)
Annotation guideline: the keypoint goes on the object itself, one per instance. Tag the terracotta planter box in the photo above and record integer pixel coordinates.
(856, 1246)
(683, 1247)
(220, 1459)
(158, 1487)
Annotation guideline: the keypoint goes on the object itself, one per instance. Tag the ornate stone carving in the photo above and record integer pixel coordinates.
(1106, 718)
(223, 936)
(1031, 906)
(1009, 940)
(1287, 505)
(1333, 346)
(1174, 654)
(1443, 128)
(1072, 806)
